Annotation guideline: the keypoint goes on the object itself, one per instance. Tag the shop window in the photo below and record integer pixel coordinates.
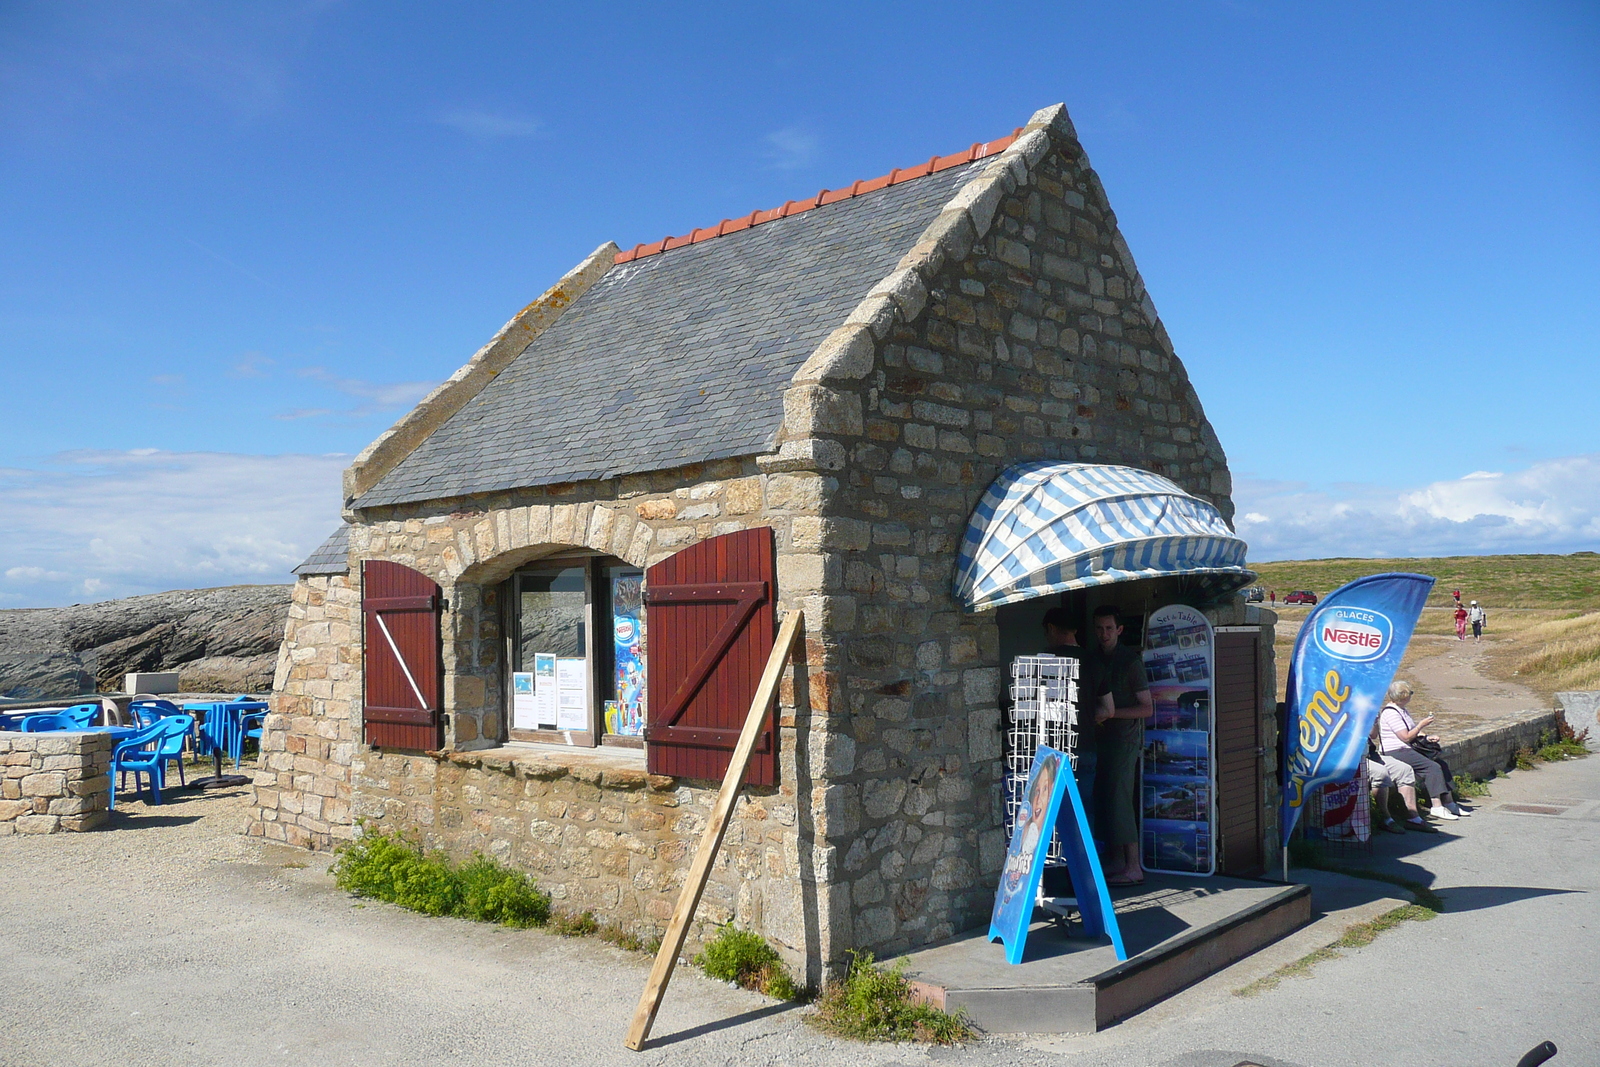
(576, 652)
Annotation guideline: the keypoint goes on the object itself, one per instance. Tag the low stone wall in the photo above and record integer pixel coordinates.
(599, 835)
(53, 782)
(1490, 748)
(1582, 708)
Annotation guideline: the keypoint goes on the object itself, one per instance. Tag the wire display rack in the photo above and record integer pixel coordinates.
(1044, 711)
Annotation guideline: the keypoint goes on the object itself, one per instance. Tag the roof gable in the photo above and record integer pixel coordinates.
(673, 358)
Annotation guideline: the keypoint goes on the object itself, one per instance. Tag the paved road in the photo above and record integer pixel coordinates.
(185, 943)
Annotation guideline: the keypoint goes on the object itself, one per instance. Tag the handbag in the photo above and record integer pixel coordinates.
(1425, 747)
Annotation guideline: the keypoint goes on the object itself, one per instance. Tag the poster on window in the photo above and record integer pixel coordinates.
(524, 702)
(572, 693)
(544, 690)
(1179, 821)
(626, 714)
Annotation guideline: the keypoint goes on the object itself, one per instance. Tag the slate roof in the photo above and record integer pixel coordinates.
(676, 358)
(330, 557)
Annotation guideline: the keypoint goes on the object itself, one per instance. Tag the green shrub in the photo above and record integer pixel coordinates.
(394, 868)
(490, 893)
(745, 958)
(873, 1004)
(1464, 785)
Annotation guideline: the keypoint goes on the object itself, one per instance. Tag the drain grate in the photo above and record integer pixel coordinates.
(1535, 809)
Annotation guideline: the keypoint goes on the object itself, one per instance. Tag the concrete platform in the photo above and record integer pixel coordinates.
(1176, 930)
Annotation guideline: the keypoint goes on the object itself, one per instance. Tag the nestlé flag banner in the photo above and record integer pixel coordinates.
(1343, 662)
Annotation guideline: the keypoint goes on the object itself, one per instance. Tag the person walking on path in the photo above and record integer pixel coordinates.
(1461, 622)
(1116, 669)
(1274, 596)
(1457, 595)
(1478, 618)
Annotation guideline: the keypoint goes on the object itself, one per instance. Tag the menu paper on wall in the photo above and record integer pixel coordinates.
(524, 702)
(1179, 823)
(544, 693)
(572, 687)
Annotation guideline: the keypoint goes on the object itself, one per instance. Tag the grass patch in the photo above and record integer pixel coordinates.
(395, 868)
(873, 1004)
(746, 959)
(1530, 581)
(1464, 785)
(1356, 935)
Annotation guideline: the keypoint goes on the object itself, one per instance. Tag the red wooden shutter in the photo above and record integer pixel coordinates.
(711, 631)
(400, 608)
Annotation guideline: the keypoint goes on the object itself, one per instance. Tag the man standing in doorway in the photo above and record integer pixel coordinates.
(1477, 617)
(1061, 639)
(1118, 671)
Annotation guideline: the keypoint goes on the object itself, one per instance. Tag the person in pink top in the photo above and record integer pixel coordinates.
(1461, 622)
(1399, 731)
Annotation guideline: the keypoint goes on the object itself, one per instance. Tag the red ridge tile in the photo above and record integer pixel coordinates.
(935, 164)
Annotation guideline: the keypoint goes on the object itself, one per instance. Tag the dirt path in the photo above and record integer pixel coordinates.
(1453, 683)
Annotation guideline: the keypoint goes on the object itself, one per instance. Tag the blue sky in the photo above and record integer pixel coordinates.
(241, 239)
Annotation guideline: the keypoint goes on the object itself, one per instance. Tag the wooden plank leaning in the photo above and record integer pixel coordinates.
(644, 1016)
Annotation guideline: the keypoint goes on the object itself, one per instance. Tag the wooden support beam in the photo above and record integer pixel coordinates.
(644, 1016)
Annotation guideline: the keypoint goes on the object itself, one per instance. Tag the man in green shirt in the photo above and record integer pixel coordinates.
(1118, 670)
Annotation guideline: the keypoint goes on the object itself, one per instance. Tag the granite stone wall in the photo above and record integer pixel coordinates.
(308, 741)
(1018, 330)
(600, 834)
(53, 782)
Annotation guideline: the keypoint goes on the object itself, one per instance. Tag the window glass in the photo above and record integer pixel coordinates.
(625, 700)
(551, 615)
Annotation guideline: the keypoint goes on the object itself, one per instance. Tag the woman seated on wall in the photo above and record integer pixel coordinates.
(1402, 737)
(1387, 772)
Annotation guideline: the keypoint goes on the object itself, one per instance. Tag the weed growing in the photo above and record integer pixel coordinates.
(745, 958)
(394, 868)
(1464, 785)
(873, 1004)
(1356, 935)
(1563, 743)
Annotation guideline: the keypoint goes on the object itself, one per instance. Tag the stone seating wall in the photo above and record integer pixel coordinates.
(53, 782)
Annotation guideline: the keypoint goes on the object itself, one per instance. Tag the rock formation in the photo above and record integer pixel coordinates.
(216, 639)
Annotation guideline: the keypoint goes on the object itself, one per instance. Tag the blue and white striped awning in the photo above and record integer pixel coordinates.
(1045, 527)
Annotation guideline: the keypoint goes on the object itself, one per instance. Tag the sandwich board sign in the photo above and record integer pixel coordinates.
(1051, 803)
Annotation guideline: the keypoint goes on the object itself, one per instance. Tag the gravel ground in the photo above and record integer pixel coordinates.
(173, 939)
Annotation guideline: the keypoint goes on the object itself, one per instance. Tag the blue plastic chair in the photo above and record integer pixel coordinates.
(166, 741)
(152, 710)
(77, 717)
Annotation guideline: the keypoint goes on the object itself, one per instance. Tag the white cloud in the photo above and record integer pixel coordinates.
(378, 396)
(487, 125)
(791, 148)
(1552, 506)
(100, 524)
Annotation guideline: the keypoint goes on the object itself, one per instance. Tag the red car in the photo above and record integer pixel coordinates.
(1301, 596)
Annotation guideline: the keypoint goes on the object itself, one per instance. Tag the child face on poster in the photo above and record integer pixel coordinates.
(1044, 783)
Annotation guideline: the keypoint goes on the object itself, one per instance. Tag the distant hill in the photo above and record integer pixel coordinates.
(216, 639)
(1549, 581)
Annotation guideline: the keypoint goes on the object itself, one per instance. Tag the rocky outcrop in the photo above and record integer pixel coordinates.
(216, 639)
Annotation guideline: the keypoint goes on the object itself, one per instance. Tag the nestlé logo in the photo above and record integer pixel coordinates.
(1354, 634)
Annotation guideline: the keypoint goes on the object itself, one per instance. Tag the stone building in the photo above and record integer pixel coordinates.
(797, 409)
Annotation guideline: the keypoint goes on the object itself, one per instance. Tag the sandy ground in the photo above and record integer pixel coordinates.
(172, 939)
